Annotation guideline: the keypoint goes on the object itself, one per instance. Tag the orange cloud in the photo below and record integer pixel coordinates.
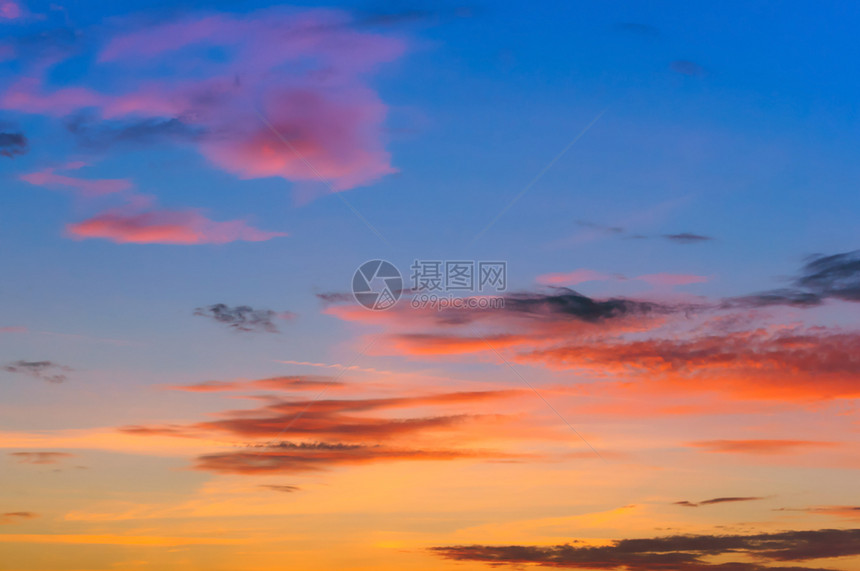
(760, 446)
(14, 517)
(341, 431)
(283, 383)
(166, 227)
(40, 457)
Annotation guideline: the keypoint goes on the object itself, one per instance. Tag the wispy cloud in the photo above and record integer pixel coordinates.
(688, 552)
(15, 517)
(723, 500)
(88, 188)
(43, 370)
(283, 383)
(687, 238)
(12, 143)
(760, 446)
(321, 433)
(159, 226)
(280, 488)
(244, 318)
(40, 457)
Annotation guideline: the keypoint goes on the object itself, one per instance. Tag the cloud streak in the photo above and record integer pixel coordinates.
(160, 226)
(42, 370)
(243, 318)
(680, 552)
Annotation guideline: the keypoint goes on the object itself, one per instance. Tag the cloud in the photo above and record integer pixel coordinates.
(290, 458)
(87, 188)
(13, 329)
(282, 383)
(585, 275)
(836, 276)
(160, 226)
(323, 433)
(788, 297)
(573, 278)
(12, 144)
(93, 133)
(14, 517)
(687, 238)
(760, 447)
(680, 552)
(40, 457)
(139, 221)
(822, 277)
(44, 370)
(791, 364)
(275, 93)
(672, 279)
(280, 488)
(850, 512)
(243, 318)
(712, 501)
(10, 10)
(567, 303)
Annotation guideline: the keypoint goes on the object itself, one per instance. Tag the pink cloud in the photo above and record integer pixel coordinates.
(87, 187)
(166, 227)
(13, 329)
(585, 275)
(10, 10)
(573, 278)
(288, 99)
(672, 279)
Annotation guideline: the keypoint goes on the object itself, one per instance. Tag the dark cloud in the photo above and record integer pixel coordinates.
(687, 238)
(821, 278)
(93, 133)
(686, 67)
(290, 458)
(40, 457)
(680, 552)
(836, 276)
(335, 297)
(280, 488)
(785, 296)
(730, 499)
(243, 318)
(12, 517)
(601, 227)
(12, 144)
(566, 302)
(331, 432)
(44, 370)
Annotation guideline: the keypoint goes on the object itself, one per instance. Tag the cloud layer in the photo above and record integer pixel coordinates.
(679, 552)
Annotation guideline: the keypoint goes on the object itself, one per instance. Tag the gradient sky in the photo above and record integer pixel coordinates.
(186, 381)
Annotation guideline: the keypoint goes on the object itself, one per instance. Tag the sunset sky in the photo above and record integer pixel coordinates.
(668, 379)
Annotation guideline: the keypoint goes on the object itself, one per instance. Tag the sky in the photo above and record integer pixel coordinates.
(423, 286)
